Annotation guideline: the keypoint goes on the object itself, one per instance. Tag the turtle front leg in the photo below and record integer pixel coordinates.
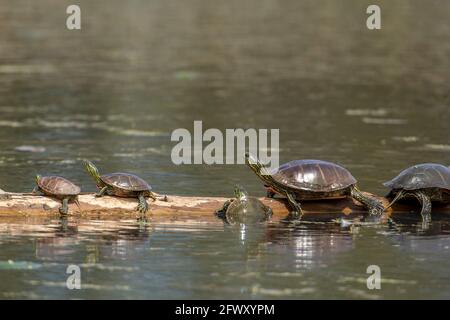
(37, 191)
(221, 212)
(270, 194)
(102, 192)
(374, 206)
(425, 201)
(64, 210)
(143, 205)
(297, 212)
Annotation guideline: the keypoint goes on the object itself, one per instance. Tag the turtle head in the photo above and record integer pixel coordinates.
(240, 192)
(92, 170)
(257, 167)
(38, 177)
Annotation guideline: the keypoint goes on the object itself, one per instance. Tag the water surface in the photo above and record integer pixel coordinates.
(373, 101)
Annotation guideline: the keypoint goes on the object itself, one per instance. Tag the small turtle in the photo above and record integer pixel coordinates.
(244, 209)
(426, 182)
(119, 184)
(60, 188)
(311, 180)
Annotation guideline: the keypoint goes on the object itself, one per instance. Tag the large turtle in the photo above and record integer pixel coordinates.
(426, 182)
(60, 188)
(311, 180)
(244, 209)
(121, 185)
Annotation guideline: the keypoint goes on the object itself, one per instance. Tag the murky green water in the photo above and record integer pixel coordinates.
(373, 101)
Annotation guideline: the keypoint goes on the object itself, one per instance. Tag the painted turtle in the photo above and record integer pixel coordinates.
(311, 180)
(426, 182)
(244, 209)
(121, 184)
(60, 188)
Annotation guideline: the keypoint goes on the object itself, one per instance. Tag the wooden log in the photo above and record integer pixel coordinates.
(197, 208)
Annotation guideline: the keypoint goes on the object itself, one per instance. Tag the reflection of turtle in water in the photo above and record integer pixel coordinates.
(244, 209)
(426, 182)
(59, 188)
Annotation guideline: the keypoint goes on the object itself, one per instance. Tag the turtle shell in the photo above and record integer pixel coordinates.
(248, 210)
(314, 175)
(58, 186)
(125, 181)
(425, 175)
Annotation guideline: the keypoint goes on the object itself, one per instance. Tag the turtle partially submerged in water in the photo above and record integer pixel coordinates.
(426, 182)
(60, 188)
(244, 209)
(311, 180)
(121, 184)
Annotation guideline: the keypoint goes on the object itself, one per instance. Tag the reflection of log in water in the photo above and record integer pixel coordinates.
(191, 207)
(59, 238)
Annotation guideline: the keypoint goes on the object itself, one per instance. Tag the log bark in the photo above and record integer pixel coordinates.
(197, 208)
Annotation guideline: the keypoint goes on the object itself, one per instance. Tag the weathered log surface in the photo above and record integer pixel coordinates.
(179, 207)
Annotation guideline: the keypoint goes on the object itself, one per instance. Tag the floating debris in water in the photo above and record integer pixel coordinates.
(389, 121)
(35, 149)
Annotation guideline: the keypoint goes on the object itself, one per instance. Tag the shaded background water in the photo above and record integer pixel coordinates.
(373, 101)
